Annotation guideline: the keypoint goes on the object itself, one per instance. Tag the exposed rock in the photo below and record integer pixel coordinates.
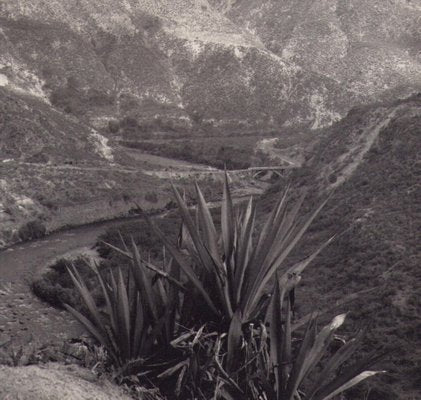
(55, 381)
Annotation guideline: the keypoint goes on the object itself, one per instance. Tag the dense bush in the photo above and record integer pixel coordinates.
(140, 232)
(73, 99)
(56, 287)
(152, 197)
(32, 230)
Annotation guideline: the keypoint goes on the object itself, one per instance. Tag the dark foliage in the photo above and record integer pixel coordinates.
(32, 230)
(56, 287)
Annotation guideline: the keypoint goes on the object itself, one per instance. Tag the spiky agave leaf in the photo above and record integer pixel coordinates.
(280, 245)
(351, 376)
(235, 335)
(134, 319)
(187, 269)
(312, 355)
(244, 249)
(227, 220)
(93, 321)
(341, 356)
(352, 382)
(143, 284)
(123, 316)
(276, 334)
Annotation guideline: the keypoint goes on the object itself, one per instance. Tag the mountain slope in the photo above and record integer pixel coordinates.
(371, 47)
(56, 171)
(243, 64)
(375, 212)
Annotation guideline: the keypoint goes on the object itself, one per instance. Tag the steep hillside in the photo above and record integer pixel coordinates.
(57, 171)
(220, 64)
(371, 159)
(371, 49)
(32, 131)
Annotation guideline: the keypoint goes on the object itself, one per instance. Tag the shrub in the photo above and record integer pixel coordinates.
(53, 294)
(69, 99)
(149, 247)
(32, 230)
(39, 158)
(151, 197)
(56, 287)
(139, 318)
(113, 126)
(238, 270)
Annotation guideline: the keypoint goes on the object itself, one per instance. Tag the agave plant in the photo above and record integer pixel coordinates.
(276, 363)
(289, 372)
(139, 313)
(271, 370)
(252, 349)
(232, 270)
(238, 267)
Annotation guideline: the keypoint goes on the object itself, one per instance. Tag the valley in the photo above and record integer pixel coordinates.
(106, 106)
(350, 155)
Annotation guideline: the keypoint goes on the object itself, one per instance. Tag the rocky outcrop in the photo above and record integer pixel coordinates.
(55, 381)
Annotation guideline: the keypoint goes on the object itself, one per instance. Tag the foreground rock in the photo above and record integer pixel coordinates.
(55, 381)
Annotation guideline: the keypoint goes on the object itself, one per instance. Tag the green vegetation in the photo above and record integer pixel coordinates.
(74, 100)
(139, 232)
(215, 320)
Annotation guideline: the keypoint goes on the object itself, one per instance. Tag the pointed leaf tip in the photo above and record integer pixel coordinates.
(337, 321)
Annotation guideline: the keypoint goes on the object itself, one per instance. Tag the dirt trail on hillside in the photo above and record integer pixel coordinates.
(370, 134)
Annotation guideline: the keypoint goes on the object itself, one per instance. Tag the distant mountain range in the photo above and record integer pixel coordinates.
(245, 64)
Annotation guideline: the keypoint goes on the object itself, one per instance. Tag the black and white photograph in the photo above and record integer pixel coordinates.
(210, 200)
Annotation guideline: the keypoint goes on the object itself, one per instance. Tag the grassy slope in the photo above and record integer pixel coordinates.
(376, 210)
(31, 130)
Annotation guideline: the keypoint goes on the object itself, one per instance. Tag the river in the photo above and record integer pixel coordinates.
(24, 318)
